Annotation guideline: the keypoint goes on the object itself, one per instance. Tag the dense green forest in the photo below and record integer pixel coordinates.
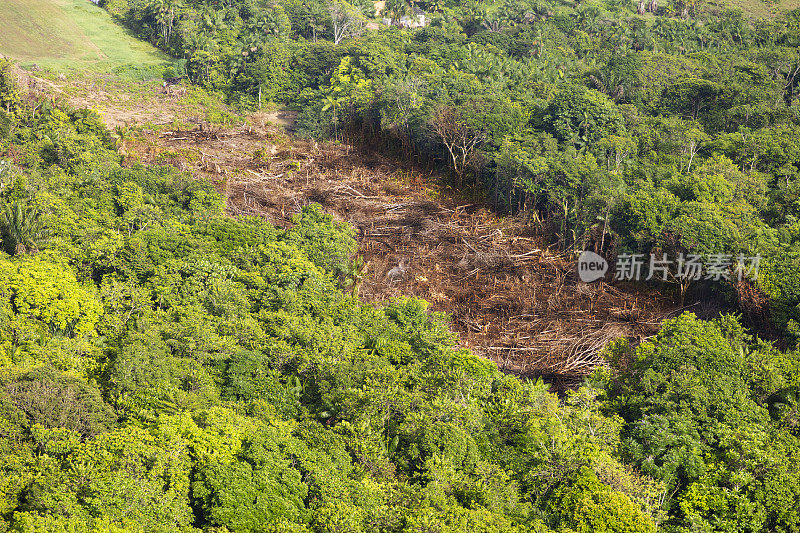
(164, 367)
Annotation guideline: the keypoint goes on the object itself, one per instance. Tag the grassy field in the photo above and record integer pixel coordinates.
(92, 62)
(69, 34)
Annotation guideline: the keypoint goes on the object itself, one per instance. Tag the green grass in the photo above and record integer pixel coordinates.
(70, 34)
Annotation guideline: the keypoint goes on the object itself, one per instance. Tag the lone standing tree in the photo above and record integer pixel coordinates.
(459, 137)
(346, 19)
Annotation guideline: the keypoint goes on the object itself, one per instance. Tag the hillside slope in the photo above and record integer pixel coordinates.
(511, 300)
(69, 34)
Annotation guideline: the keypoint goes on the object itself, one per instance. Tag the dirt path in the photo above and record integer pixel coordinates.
(123, 102)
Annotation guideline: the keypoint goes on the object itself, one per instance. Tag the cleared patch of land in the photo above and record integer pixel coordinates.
(69, 34)
(511, 299)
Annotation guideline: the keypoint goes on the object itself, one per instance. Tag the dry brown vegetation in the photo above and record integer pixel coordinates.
(511, 300)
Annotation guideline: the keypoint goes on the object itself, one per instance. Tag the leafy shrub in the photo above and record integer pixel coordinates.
(328, 243)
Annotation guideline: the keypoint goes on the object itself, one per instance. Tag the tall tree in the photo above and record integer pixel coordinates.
(348, 20)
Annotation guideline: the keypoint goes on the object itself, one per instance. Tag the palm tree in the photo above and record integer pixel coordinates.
(164, 13)
(354, 274)
(397, 9)
(213, 21)
(537, 11)
(22, 228)
(494, 23)
(607, 80)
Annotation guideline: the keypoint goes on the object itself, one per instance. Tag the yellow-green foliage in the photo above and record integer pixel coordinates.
(587, 505)
(171, 369)
(48, 292)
